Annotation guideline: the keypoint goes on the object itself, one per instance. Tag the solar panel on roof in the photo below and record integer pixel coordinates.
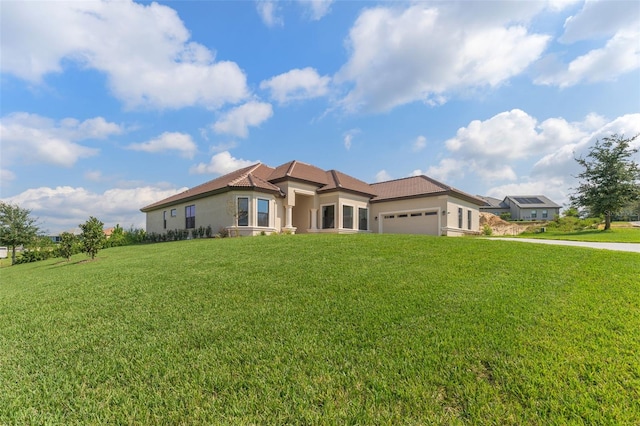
(528, 200)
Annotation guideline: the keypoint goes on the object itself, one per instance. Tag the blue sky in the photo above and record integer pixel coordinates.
(109, 106)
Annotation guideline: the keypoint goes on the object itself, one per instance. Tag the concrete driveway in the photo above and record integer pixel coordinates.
(632, 247)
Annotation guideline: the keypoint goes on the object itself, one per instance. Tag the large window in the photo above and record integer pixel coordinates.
(534, 214)
(164, 219)
(190, 214)
(363, 214)
(263, 212)
(328, 217)
(469, 219)
(545, 214)
(460, 217)
(347, 217)
(243, 211)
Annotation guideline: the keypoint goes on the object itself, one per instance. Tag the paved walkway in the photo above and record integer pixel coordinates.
(632, 247)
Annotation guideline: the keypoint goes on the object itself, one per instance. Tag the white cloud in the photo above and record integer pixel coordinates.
(616, 21)
(143, 49)
(561, 162)
(598, 19)
(447, 169)
(541, 158)
(168, 141)
(619, 56)
(221, 164)
(395, 60)
(6, 175)
(491, 149)
(93, 176)
(38, 139)
(63, 208)
(348, 137)
(237, 121)
(268, 11)
(383, 176)
(317, 8)
(419, 144)
(297, 84)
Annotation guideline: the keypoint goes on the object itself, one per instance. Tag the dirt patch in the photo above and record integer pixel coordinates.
(502, 227)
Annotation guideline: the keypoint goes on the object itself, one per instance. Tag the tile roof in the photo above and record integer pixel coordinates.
(416, 186)
(300, 171)
(339, 181)
(253, 176)
(263, 178)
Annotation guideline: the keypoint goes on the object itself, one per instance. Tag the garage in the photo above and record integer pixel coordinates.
(424, 222)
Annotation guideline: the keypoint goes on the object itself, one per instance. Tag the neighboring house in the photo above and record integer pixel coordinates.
(300, 198)
(522, 207)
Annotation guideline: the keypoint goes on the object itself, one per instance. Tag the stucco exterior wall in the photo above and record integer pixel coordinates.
(218, 211)
(452, 225)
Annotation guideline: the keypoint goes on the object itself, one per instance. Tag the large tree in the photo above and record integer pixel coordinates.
(92, 236)
(17, 227)
(610, 179)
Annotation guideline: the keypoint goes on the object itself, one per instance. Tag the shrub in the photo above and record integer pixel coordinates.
(505, 216)
(208, 231)
(69, 245)
(486, 230)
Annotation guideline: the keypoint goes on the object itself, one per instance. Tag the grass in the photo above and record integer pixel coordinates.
(620, 232)
(324, 329)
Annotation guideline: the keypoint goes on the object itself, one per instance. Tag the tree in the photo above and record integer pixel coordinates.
(17, 227)
(92, 236)
(67, 245)
(610, 179)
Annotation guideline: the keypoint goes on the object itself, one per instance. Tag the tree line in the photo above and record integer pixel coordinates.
(18, 228)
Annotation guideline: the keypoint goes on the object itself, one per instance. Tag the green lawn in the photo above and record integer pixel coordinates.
(324, 329)
(617, 234)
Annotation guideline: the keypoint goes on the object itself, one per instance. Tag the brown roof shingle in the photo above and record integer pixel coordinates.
(263, 178)
(248, 177)
(300, 171)
(417, 186)
(338, 181)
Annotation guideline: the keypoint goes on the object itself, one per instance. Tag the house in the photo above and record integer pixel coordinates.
(522, 207)
(301, 198)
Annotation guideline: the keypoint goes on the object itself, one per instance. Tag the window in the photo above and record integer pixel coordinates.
(174, 212)
(389, 216)
(328, 216)
(534, 214)
(459, 217)
(363, 215)
(416, 214)
(403, 215)
(190, 214)
(469, 219)
(430, 213)
(545, 214)
(347, 217)
(164, 219)
(243, 211)
(263, 212)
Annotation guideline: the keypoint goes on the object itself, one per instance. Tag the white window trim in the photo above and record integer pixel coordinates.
(270, 207)
(236, 215)
(353, 218)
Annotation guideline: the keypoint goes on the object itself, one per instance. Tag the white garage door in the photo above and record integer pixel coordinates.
(411, 223)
